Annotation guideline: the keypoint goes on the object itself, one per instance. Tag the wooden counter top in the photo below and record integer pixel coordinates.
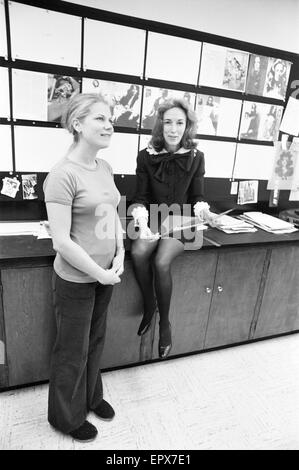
(28, 246)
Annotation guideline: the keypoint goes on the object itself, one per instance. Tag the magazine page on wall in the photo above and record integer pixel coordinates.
(223, 68)
(162, 58)
(55, 38)
(4, 93)
(154, 97)
(124, 99)
(277, 78)
(260, 121)
(3, 43)
(61, 88)
(218, 116)
(257, 71)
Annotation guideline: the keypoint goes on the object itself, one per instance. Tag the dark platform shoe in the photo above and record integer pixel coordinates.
(165, 342)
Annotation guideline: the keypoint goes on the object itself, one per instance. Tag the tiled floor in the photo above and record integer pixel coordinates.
(246, 397)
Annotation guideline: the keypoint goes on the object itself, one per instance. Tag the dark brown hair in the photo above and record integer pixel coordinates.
(158, 142)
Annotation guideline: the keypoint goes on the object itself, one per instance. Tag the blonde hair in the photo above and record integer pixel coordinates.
(78, 108)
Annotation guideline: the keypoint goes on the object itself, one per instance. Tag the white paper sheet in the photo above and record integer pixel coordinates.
(162, 58)
(45, 36)
(290, 120)
(253, 162)
(6, 152)
(29, 95)
(4, 93)
(219, 158)
(3, 42)
(39, 148)
(19, 228)
(122, 153)
(113, 48)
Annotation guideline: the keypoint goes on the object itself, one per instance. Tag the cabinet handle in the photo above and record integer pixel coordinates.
(208, 290)
(219, 288)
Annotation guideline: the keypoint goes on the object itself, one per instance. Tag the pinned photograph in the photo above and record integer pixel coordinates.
(123, 98)
(260, 121)
(248, 192)
(284, 167)
(235, 70)
(256, 77)
(277, 78)
(10, 187)
(60, 89)
(29, 186)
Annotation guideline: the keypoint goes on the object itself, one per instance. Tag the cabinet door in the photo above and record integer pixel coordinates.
(29, 323)
(279, 312)
(193, 279)
(122, 345)
(235, 295)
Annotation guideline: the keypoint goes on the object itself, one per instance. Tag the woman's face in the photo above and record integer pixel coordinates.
(278, 71)
(96, 128)
(174, 125)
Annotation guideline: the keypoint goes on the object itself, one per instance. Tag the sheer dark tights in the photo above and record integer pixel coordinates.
(157, 255)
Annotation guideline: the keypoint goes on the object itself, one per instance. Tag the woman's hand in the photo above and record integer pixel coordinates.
(118, 262)
(109, 276)
(147, 234)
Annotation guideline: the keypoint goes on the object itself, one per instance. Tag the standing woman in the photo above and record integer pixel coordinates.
(80, 195)
(169, 171)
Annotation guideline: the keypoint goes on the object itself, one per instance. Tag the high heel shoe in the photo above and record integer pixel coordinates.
(165, 342)
(145, 324)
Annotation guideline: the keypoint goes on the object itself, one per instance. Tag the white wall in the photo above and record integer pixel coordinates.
(272, 23)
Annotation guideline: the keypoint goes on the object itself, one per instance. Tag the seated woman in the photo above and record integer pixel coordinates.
(169, 172)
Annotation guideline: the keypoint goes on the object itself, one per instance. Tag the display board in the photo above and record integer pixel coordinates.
(238, 91)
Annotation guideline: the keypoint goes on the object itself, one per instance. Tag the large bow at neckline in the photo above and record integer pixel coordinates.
(162, 162)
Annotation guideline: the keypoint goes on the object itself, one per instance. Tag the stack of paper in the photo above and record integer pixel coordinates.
(268, 222)
(229, 224)
(19, 228)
